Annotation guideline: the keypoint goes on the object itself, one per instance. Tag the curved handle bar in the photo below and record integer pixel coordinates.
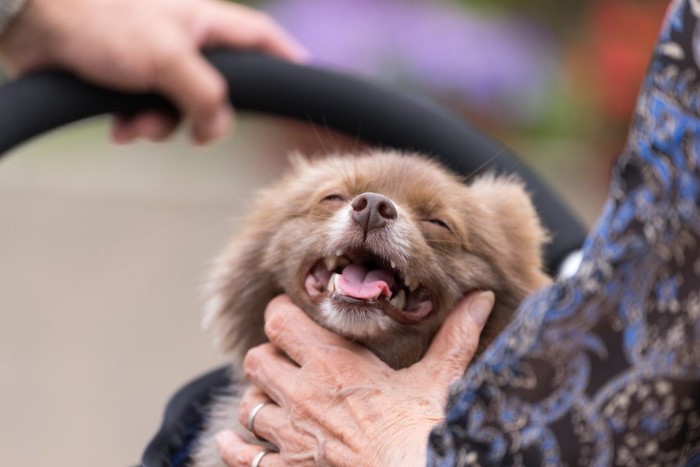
(377, 115)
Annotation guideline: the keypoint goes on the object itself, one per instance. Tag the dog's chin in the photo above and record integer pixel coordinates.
(353, 319)
(360, 296)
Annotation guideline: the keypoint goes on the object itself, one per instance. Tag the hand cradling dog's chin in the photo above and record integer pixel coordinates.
(333, 402)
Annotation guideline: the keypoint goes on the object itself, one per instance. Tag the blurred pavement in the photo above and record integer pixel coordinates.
(102, 250)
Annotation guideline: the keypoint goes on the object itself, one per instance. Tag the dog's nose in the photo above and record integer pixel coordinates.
(372, 211)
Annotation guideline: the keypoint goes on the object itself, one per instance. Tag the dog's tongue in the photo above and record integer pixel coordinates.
(357, 282)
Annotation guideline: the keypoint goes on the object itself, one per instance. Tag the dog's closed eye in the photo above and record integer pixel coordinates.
(439, 223)
(333, 197)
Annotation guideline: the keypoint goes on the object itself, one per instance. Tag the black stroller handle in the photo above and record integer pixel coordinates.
(375, 114)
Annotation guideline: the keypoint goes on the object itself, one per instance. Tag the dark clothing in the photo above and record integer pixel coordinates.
(604, 368)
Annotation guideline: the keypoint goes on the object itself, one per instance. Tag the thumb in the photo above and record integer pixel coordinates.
(456, 342)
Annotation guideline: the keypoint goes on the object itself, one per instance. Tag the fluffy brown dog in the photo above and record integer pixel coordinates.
(377, 248)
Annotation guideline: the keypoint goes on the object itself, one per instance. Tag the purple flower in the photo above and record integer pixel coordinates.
(498, 65)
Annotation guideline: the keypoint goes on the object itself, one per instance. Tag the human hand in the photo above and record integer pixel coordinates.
(333, 402)
(142, 46)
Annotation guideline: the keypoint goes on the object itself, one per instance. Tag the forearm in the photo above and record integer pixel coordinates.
(142, 46)
(8, 10)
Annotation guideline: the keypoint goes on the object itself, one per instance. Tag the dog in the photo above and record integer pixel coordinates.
(376, 247)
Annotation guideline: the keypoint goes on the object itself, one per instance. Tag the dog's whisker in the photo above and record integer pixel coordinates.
(486, 163)
(320, 140)
(329, 132)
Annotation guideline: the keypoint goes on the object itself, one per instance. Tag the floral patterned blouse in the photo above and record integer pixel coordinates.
(603, 368)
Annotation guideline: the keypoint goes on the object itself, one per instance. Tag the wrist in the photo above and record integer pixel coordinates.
(9, 9)
(407, 448)
(34, 35)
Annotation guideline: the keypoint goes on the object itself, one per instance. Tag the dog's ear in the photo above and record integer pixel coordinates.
(236, 295)
(507, 232)
(243, 281)
(511, 230)
(240, 287)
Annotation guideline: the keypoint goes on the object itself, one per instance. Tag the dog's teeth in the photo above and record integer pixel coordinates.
(411, 282)
(342, 261)
(332, 283)
(336, 286)
(331, 262)
(400, 300)
(393, 265)
(339, 252)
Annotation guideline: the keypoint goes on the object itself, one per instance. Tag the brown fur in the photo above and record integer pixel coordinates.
(494, 242)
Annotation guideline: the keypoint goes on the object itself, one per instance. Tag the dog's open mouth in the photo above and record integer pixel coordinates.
(361, 279)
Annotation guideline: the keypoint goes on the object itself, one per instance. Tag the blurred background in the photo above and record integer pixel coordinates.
(103, 248)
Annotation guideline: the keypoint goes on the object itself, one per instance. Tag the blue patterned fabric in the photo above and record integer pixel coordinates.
(604, 368)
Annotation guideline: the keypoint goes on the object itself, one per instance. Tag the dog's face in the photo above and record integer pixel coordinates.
(378, 248)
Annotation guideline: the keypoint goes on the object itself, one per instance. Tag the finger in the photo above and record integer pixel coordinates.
(250, 400)
(151, 125)
(456, 342)
(242, 27)
(270, 371)
(121, 132)
(267, 423)
(237, 453)
(197, 89)
(293, 332)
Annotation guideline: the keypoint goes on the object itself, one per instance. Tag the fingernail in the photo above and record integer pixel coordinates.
(303, 55)
(295, 50)
(216, 127)
(122, 133)
(480, 306)
(223, 438)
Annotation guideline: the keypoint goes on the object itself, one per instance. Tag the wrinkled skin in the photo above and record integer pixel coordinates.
(145, 46)
(335, 403)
